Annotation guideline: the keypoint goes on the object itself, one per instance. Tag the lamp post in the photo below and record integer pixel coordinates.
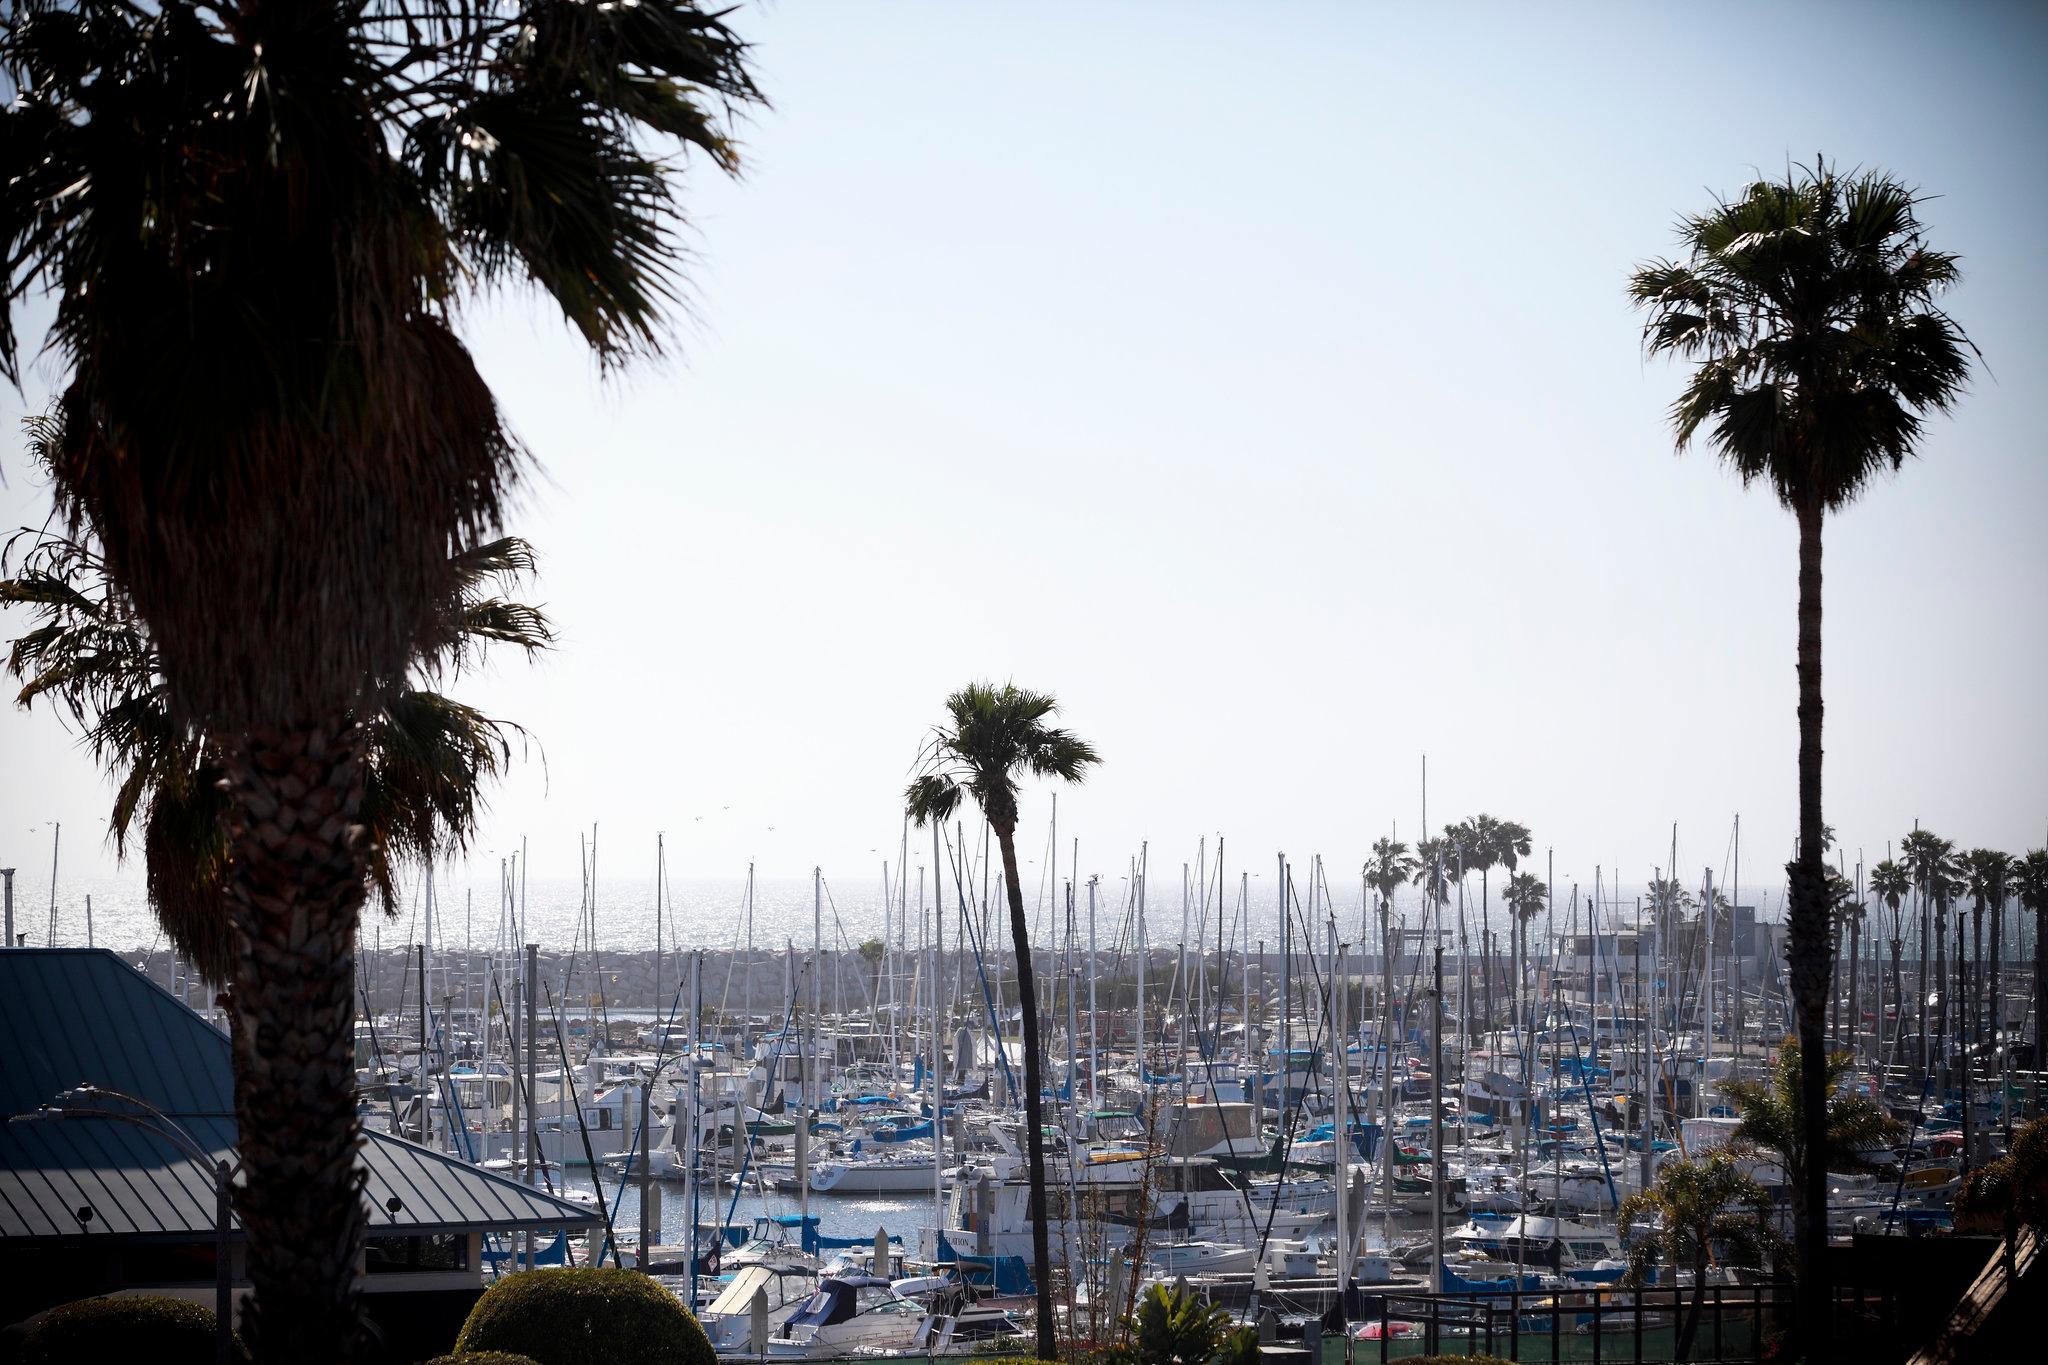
(89, 1102)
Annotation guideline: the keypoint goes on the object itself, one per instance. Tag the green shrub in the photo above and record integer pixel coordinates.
(2013, 1187)
(156, 1328)
(484, 1358)
(585, 1316)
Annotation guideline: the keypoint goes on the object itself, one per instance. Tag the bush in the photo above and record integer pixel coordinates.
(484, 1358)
(155, 1328)
(585, 1316)
(2015, 1186)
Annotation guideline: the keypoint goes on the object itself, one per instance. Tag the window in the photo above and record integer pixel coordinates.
(436, 1253)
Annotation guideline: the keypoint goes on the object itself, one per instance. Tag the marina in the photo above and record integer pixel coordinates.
(840, 1126)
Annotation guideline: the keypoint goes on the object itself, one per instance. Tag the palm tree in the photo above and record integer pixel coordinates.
(2030, 888)
(1491, 843)
(1852, 911)
(1770, 1114)
(1461, 850)
(1809, 307)
(1385, 872)
(1432, 859)
(1525, 895)
(1698, 1210)
(1985, 873)
(429, 756)
(1931, 859)
(258, 225)
(1890, 882)
(995, 735)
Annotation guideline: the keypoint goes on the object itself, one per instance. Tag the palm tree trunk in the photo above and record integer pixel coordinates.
(1941, 988)
(295, 893)
(1687, 1330)
(1034, 1135)
(1855, 955)
(1486, 956)
(1993, 985)
(1898, 990)
(2040, 999)
(1926, 1038)
(1977, 971)
(1808, 957)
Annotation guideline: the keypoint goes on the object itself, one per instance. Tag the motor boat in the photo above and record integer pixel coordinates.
(1199, 1258)
(848, 1315)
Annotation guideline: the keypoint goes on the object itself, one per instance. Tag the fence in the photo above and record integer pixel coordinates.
(1730, 1323)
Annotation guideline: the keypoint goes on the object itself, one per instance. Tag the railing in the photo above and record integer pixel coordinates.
(1729, 1324)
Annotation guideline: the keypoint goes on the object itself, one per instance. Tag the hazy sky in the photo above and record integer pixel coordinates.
(1267, 390)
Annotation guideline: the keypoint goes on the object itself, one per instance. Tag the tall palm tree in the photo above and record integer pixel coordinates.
(1852, 911)
(1985, 873)
(429, 756)
(1841, 903)
(258, 225)
(2030, 889)
(1493, 843)
(1525, 895)
(1433, 861)
(1698, 1210)
(1385, 872)
(1890, 882)
(1941, 881)
(1809, 305)
(1929, 858)
(995, 735)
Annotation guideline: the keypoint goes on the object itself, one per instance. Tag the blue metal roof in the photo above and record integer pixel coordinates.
(72, 1016)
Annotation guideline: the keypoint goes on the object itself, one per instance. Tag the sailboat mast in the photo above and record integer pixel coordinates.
(1093, 1027)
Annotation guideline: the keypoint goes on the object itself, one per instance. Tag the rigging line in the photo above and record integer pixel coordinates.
(746, 1128)
(845, 945)
(519, 1082)
(576, 1100)
(981, 970)
(633, 1134)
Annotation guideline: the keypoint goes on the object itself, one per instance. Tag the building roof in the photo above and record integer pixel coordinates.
(73, 1016)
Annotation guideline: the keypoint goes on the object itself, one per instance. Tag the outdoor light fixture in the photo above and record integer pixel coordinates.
(85, 1102)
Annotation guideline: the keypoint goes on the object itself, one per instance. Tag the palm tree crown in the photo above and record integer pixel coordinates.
(1890, 882)
(1809, 304)
(1525, 895)
(2030, 881)
(429, 756)
(258, 224)
(997, 734)
(1932, 860)
(1388, 869)
(1985, 874)
(1432, 869)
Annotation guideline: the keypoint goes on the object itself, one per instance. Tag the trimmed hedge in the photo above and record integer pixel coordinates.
(585, 1316)
(152, 1327)
(484, 1358)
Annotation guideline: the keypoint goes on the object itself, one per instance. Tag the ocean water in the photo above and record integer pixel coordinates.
(701, 912)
